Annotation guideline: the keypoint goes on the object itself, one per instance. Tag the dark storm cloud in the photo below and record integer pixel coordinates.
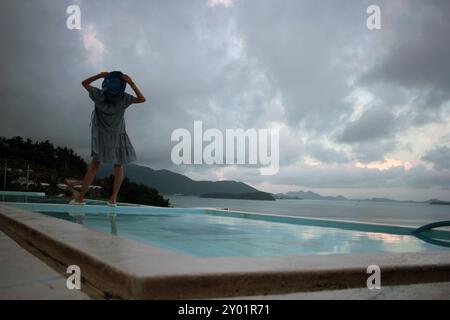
(372, 135)
(440, 157)
(326, 154)
(417, 56)
(374, 124)
(420, 177)
(40, 88)
(372, 150)
(299, 44)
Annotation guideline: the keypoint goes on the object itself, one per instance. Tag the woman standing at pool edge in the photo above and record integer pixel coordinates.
(110, 142)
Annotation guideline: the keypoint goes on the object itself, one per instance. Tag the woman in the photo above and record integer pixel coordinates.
(110, 142)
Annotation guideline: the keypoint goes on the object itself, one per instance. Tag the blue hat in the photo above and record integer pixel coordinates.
(113, 84)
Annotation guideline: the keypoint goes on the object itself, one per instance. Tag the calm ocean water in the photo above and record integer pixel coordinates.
(413, 214)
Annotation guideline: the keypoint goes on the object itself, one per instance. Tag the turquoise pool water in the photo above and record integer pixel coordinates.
(206, 235)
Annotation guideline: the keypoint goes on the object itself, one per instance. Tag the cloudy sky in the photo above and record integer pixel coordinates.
(362, 113)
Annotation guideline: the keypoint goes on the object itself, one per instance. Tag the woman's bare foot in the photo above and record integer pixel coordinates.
(77, 202)
(71, 182)
(112, 202)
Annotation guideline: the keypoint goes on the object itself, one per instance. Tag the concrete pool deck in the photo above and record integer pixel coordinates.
(122, 268)
(24, 276)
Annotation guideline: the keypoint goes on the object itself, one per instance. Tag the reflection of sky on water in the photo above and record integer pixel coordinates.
(209, 235)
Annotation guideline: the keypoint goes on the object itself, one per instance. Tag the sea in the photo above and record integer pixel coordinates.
(396, 213)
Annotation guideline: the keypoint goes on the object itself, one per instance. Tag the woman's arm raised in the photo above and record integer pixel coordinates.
(140, 97)
(87, 82)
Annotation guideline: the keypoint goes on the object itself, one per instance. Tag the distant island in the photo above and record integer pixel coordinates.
(440, 202)
(242, 196)
(299, 195)
(309, 195)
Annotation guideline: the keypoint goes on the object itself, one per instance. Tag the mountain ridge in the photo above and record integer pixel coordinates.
(169, 182)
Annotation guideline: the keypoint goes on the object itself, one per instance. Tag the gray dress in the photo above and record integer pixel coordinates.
(110, 142)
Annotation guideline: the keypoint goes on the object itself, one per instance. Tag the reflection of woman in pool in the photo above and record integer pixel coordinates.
(110, 142)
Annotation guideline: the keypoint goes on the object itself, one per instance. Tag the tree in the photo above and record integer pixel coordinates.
(132, 192)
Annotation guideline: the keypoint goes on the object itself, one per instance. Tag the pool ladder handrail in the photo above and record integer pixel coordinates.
(429, 226)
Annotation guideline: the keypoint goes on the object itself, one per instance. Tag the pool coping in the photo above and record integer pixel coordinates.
(123, 268)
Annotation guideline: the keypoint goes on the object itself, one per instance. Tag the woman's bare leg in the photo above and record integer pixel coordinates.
(118, 176)
(88, 178)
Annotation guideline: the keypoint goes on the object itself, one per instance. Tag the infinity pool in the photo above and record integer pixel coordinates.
(213, 233)
(207, 235)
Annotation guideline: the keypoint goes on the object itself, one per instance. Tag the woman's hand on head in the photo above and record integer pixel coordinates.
(140, 97)
(86, 83)
(127, 78)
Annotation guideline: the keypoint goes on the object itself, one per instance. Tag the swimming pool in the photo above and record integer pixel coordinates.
(218, 233)
(207, 235)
